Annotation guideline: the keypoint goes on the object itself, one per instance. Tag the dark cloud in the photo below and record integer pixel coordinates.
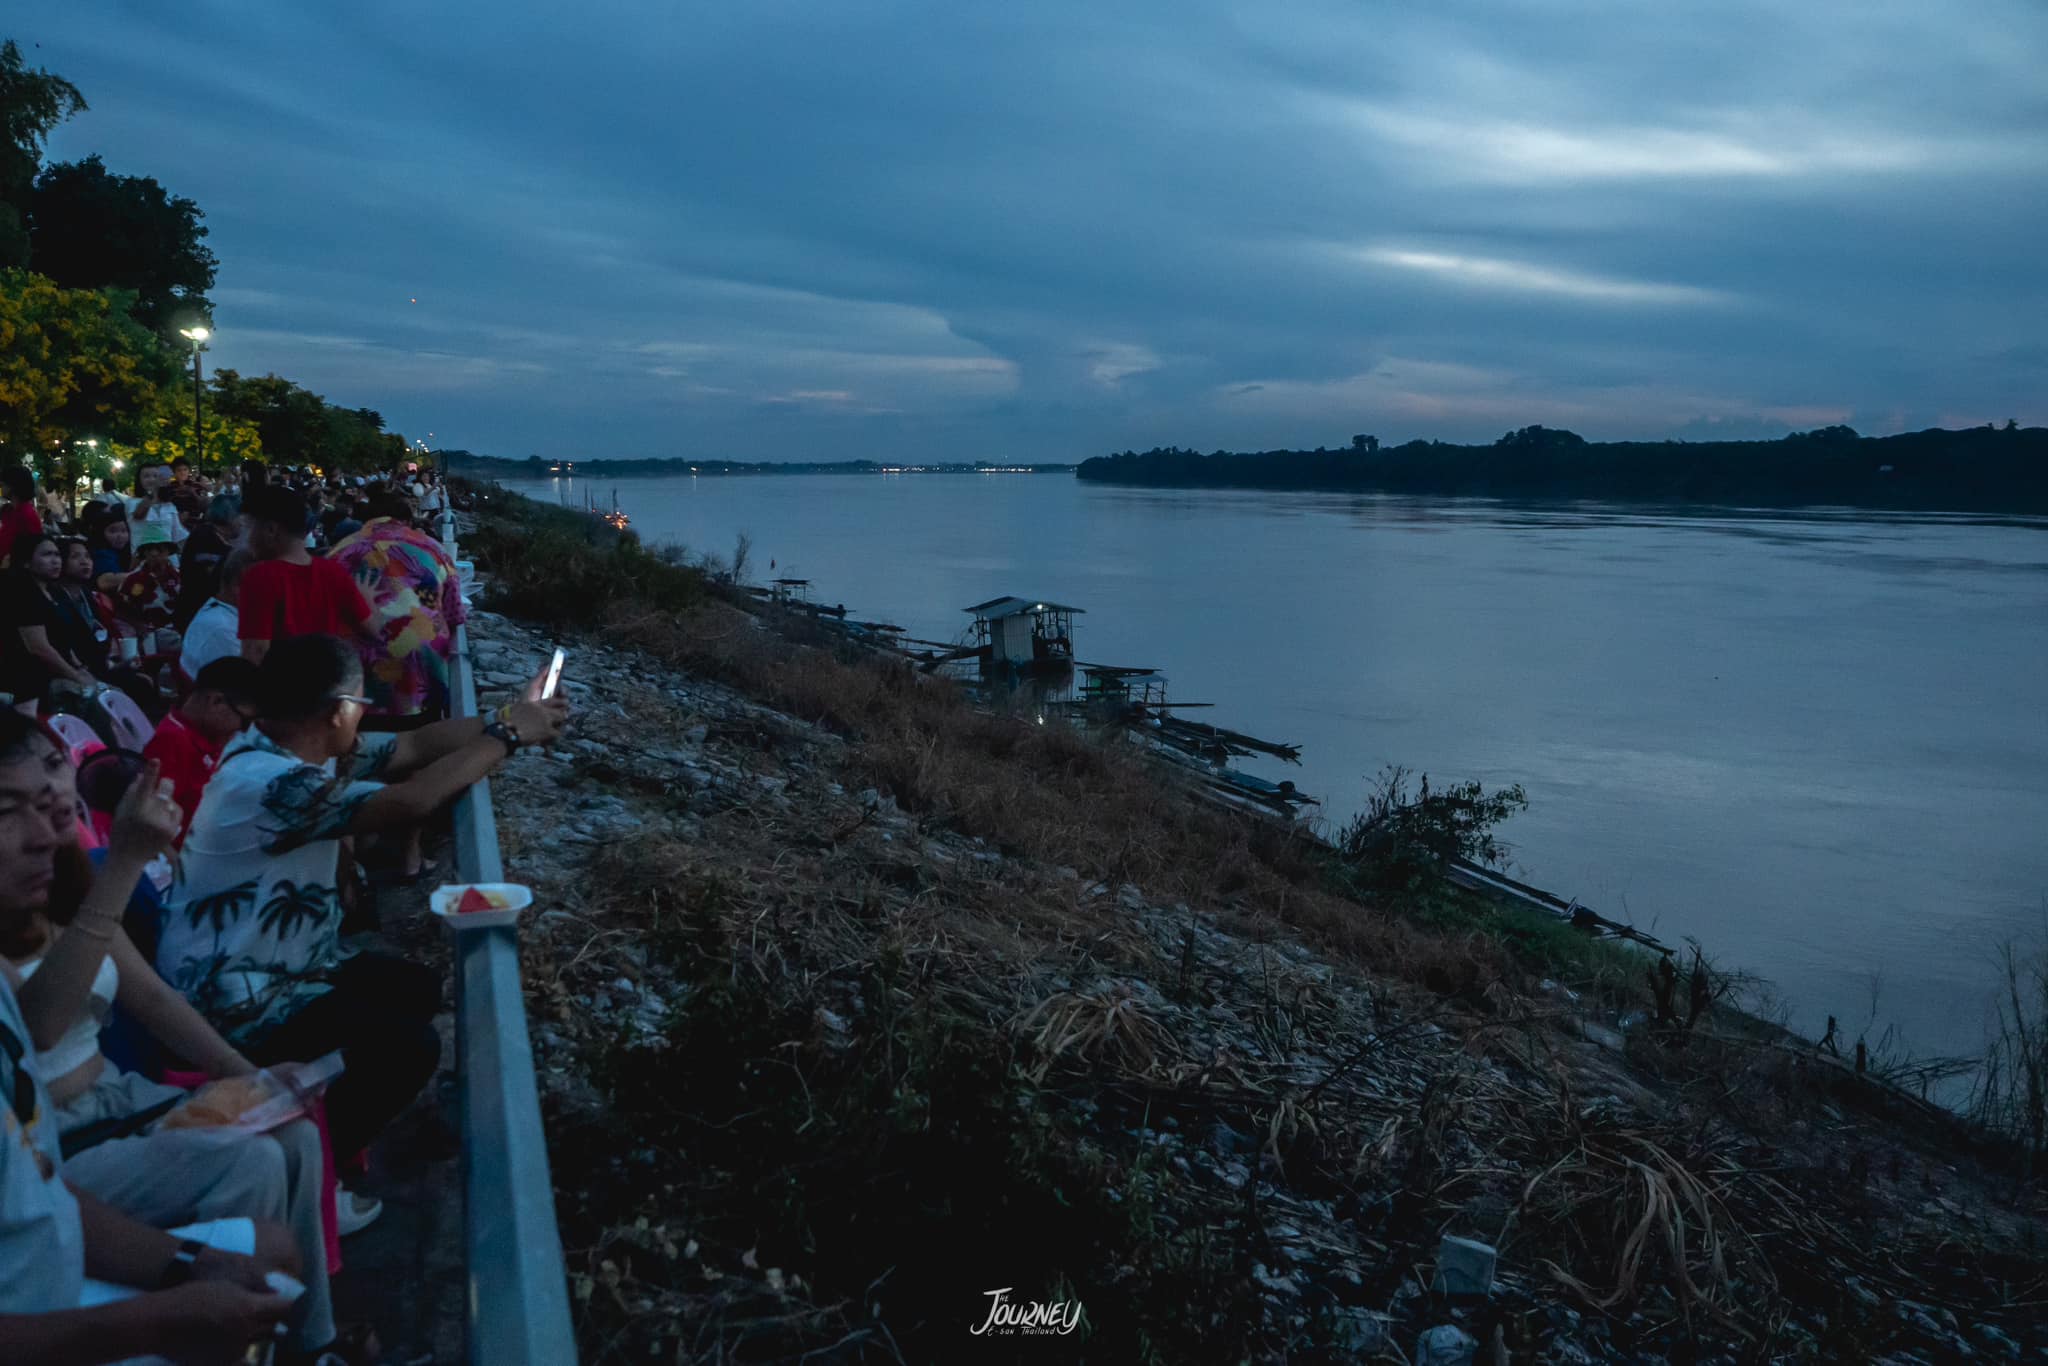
(1052, 230)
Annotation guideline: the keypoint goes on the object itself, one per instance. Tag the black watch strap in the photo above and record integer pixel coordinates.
(184, 1262)
(499, 730)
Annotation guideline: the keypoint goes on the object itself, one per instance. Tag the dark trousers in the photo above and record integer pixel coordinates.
(380, 1014)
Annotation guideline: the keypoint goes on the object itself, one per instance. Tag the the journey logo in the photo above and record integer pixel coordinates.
(1046, 1319)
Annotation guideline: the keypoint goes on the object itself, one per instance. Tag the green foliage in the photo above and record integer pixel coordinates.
(72, 363)
(89, 229)
(566, 569)
(31, 104)
(298, 426)
(1403, 838)
(165, 434)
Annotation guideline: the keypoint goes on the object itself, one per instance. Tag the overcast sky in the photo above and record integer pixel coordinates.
(757, 229)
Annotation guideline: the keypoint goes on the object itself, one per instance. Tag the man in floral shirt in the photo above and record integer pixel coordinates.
(252, 924)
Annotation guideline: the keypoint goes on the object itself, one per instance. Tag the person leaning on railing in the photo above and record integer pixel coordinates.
(252, 923)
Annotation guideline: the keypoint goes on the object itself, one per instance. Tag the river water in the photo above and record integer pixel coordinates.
(1817, 741)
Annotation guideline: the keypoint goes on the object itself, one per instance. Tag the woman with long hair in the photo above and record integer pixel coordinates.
(109, 534)
(69, 962)
(31, 625)
(88, 630)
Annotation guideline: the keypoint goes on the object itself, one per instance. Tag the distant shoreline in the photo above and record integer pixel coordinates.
(1980, 469)
(497, 467)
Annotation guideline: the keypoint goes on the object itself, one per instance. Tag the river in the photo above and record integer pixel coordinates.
(1817, 741)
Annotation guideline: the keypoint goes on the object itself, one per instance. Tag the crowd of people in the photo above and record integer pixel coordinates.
(228, 699)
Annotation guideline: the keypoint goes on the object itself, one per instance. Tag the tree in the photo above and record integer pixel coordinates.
(73, 364)
(295, 425)
(90, 229)
(1365, 444)
(31, 104)
(165, 434)
(1541, 437)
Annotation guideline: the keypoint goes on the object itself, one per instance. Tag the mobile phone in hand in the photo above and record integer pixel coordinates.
(547, 689)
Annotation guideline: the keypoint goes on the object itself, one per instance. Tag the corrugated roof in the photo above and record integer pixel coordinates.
(995, 609)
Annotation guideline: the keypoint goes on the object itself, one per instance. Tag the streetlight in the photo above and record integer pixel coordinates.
(198, 336)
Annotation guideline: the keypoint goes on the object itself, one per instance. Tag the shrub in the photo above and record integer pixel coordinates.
(1402, 839)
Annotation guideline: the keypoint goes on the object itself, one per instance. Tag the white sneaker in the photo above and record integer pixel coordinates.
(352, 1212)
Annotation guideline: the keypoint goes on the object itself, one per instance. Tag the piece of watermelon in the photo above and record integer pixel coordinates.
(473, 900)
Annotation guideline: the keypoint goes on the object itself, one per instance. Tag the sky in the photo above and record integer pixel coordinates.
(959, 230)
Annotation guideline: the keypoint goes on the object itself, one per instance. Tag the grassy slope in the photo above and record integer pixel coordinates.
(1005, 1050)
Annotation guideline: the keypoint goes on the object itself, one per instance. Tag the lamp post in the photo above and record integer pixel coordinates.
(198, 336)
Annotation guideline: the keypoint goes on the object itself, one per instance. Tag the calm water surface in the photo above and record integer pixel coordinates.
(1816, 741)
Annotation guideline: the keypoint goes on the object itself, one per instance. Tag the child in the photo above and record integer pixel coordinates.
(151, 589)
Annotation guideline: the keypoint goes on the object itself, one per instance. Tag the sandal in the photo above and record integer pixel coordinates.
(355, 1345)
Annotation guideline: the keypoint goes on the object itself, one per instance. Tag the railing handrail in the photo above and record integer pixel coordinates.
(516, 1302)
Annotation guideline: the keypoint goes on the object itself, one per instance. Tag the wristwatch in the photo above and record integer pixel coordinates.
(184, 1262)
(502, 730)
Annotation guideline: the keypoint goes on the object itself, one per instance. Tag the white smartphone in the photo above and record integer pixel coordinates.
(547, 689)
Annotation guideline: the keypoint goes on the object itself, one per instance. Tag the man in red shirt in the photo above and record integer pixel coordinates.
(21, 517)
(188, 742)
(287, 592)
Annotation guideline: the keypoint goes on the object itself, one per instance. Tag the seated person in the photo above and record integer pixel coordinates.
(216, 533)
(214, 632)
(87, 631)
(31, 626)
(252, 923)
(151, 589)
(108, 533)
(63, 950)
(207, 1305)
(188, 741)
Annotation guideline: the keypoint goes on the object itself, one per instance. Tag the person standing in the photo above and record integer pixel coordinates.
(287, 592)
(415, 595)
(21, 517)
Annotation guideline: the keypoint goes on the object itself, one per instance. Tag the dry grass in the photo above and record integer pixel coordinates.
(1059, 795)
(882, 1066)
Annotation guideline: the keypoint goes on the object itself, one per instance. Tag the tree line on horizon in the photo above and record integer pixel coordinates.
(1975, 469)
(100, 274)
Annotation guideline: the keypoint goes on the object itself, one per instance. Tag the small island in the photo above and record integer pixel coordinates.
(1982, 469)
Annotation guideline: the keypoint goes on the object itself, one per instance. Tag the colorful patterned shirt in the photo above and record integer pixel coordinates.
(252, 923)
(147, 594)
(415, 598)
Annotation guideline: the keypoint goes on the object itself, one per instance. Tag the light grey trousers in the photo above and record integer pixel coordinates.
(168, 1177)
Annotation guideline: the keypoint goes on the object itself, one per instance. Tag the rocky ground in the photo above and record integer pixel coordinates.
(821, 1073)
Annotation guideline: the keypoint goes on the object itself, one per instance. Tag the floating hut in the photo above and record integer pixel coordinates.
(1023, 637)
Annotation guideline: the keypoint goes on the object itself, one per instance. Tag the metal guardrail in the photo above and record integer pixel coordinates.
(516, 1301)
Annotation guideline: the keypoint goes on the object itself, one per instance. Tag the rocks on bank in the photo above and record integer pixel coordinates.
(822, 1073)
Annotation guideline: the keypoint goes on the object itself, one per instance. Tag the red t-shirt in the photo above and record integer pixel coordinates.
(188, 761)
(282, 599)
(20, 519)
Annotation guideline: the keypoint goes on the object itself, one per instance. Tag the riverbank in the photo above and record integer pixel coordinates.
(855, 1005)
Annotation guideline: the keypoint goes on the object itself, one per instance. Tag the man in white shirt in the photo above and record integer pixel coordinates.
(215, 630)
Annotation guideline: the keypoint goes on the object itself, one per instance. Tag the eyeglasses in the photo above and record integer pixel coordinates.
(351, 697)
